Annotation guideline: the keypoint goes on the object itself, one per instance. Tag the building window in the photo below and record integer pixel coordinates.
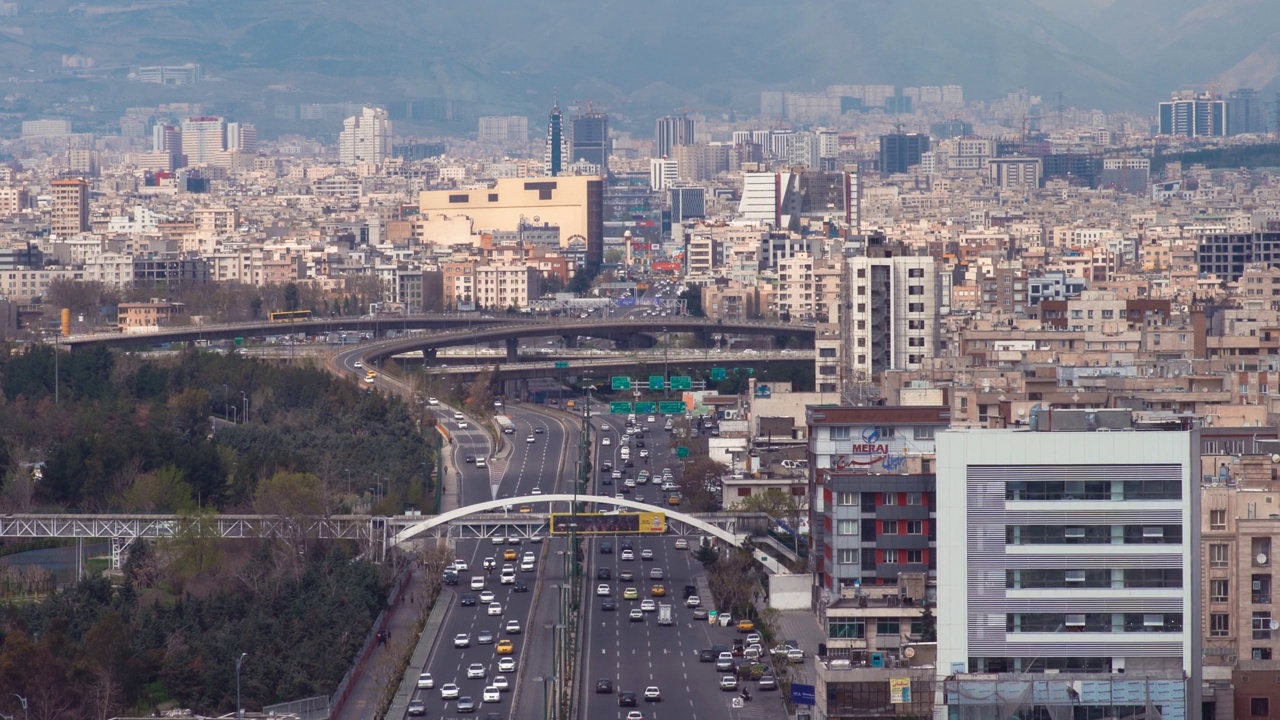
(847, 556)
(915, 290)
(889, 527)
(1218, 592)
(923, 432)
(862, 273)
(842, 432)
(915, 498)
(847, 499)
(915, 527)
(1217, 519)
(827, 352)
(846, 628)
(889, 499)
(846, 527)
(915, 272)
(1260, 707)
(915, 556)
(1262, 653)
(1219, 625)
(915, 307)
(1262, 625)
(886, 627)
(891, 556)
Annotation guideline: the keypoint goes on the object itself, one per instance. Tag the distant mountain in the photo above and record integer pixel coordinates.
(642, 58)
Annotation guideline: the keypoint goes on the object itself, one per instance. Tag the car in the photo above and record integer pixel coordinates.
(658, 591)
(606, 548)
(450, 577)
(636, 616)
(648, 605)
(628, 555)
(510, 554)
(651, 419)
(460, 565)
(606, 441)
(539, 431)
(470, 459)
(692, 601)
(626, 699)
(416, 708)
(629, 483)
(501, 682)
(627, 576)
(746, 626)
(462, 425)
(656, 574)
(604, 686)
(513, 540)
(462, 640)
(487, 597)
(535, 539)
(768, 682)
(520, 586)
(475, 670)
(507, 664)
(495, 608)
(608, 605)
(699, 613)
(425, 681)
(491, 694)
(466, 703)
(433, 401)
(484, 637)
(449, 691)
(753, 638)
(634, 715)
(526, 508)
(497, 540)
(631, 594)
(357, 364)
(477, 582)
(616, 475)
(795, 655)
(508, 577)
(604, 574)
(606, 466)
(644, 452)
(536, 491)
(729, 682)
(724, 661)
(529, 439)
(490, 563)
(467, 600)
(652, 694)
(646, 554)
(603, 590)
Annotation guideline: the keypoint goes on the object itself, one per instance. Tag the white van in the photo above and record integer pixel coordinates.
(624, 452)
(477, 582)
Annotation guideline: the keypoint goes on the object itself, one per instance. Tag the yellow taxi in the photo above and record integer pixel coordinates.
(673, 500)
(631, 594)
(509, 554)
(505, 647)
(658, 591)
(746, 626)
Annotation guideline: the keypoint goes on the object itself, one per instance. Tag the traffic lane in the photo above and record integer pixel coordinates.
(533, 464)
(449, 664)
(635, 655)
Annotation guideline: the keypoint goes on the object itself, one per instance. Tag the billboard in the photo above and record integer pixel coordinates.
(606, 523)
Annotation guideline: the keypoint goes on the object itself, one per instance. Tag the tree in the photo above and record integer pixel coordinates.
(697, 481)
(291, 296)
(776, 504)
(479, 400)
(928, 624)
(164, 490)
(291, 495)
(693, 301)
(255, 308)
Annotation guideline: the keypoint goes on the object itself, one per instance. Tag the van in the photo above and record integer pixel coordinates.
(624, 452)
(477, 582)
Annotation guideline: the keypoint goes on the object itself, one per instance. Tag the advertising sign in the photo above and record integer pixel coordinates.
(900, 691)
(803, 694)
(870, 449)
(608, 523)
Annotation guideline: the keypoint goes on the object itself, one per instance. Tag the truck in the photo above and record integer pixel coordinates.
(504, 423)
(664, 615)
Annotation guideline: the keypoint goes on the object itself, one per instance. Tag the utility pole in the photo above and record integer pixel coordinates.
(239, 710)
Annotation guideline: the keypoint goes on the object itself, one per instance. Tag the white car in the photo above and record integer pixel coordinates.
(606, 441)
(644, 452)
(433, 401)
(603, 590)
(652, 694)
(487, 596)
(646, 554)
(513, 627)
(491, 694)
(681, 543)
(449, 691)
(648, 605)
(357, 364)
(692, 601)
(628, 555)
(507, 664)
(501, 682)
(460, 565)
(651, 419)
(529, 439)
(507, 578)
(462, 424)
(495, 608)
(536, 491)
(475, 670)
(462, 640)
(728, 682)
(425, 681)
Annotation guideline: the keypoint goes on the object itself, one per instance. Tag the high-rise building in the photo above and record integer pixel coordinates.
(1194, 115)
(203, 138)
(45, 128)
(672, 131)
(242, 137)
(899, 151)
(1245, 113)
(663, 173)
(1069, 568)
(688, 203)
(365, 138)
(1127, 174)
(893, 302)
(1014, 173)
(557, 155)
(70, 214)
(590, 141)
(503, 129)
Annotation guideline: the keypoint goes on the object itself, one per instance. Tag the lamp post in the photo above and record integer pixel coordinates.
(25, 713)
(239, 660)
(245, 397)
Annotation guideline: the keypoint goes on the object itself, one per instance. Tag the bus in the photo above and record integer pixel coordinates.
(278, 316)
(504, 423)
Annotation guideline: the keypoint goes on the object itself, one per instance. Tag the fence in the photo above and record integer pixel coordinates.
(312, 708)
(341, 695)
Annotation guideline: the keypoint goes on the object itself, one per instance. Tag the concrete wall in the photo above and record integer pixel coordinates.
(790, 591)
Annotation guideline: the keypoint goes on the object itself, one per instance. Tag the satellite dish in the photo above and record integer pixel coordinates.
(1275, 458)
(909, 653)
(1275, 624)
(1262, 558)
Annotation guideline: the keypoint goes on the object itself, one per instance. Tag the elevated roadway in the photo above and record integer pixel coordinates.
(620, 361)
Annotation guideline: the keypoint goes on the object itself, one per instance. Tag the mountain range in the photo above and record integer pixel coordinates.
(651, 57)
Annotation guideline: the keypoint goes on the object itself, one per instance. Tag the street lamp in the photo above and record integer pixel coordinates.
(245, 397)
(239, 711)
(25, 713)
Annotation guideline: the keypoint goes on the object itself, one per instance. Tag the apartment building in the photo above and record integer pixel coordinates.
(892, 315)
(499, 287)
(1071, 548)
(70, 211)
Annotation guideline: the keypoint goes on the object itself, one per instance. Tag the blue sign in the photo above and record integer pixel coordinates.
(763, 391)
(626, 302)
(803, 694)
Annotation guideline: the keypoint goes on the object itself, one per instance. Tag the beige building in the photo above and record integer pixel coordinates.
(575, 204)
(149, 316)
(499, 287)
(12, 200)
(731, 301)
(70, 207)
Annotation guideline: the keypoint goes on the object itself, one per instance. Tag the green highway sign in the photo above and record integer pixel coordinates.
(671, 407)
(620, 408)
(717, 374)
(681, 382)
(657, 382)
(646, 408)
(749, 371)
(239, 342)
(561, 364)
(682, 452)
(621, 383)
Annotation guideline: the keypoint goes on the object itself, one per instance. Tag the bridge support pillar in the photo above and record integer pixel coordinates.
(513, 350)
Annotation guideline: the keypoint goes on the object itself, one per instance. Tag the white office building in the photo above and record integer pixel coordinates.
(365, 138)
(1068, 568)
(892, 313)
